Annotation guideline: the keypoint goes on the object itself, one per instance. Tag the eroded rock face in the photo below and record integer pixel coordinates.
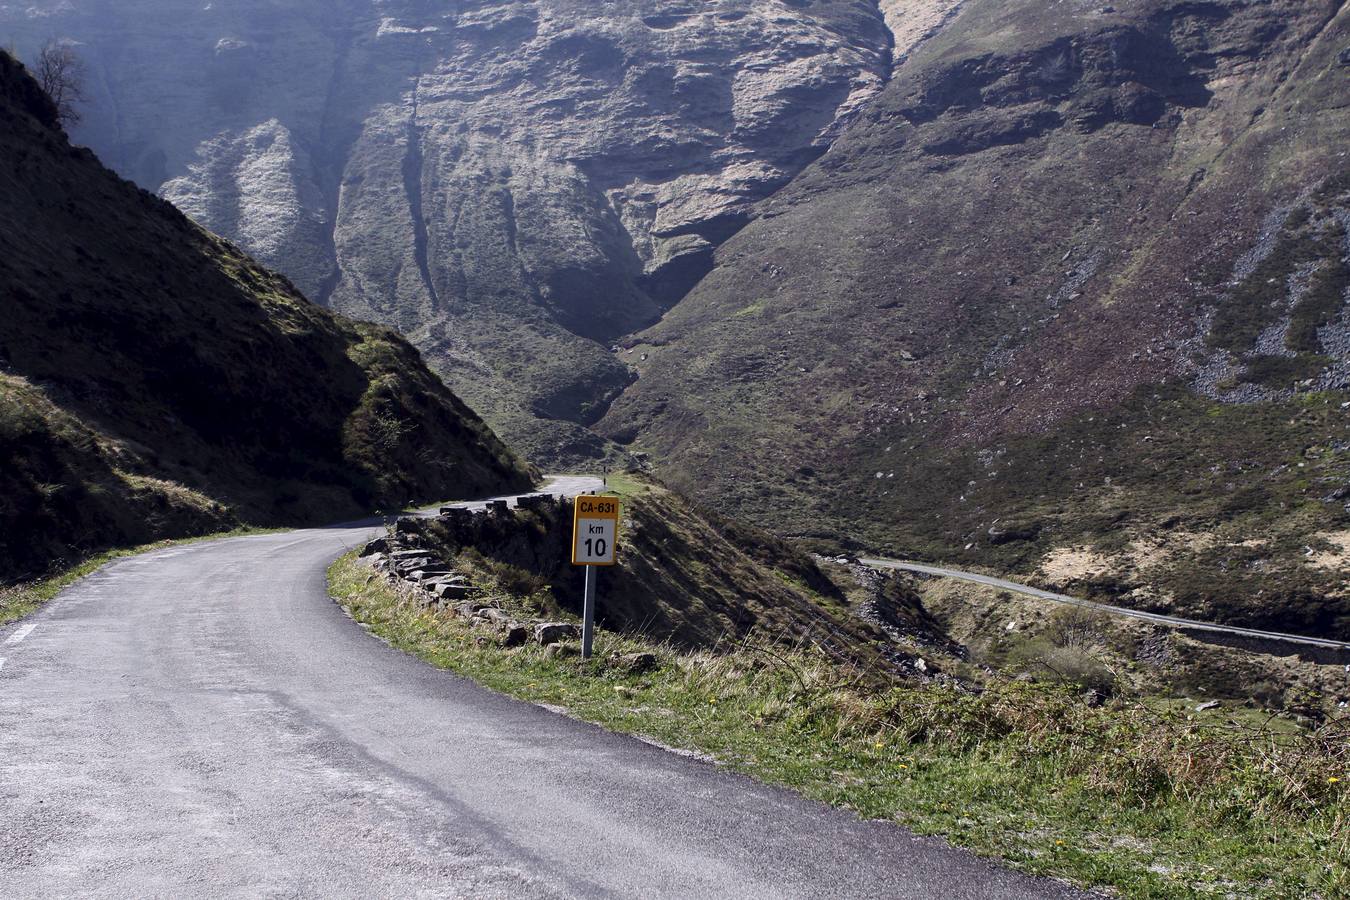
(513, 184)
(974, 324)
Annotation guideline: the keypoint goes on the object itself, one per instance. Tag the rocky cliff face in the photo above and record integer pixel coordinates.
(512, 184)
(1077, 276)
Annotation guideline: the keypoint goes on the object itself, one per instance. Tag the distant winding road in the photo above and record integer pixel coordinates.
(205, 721)
(1102, 607)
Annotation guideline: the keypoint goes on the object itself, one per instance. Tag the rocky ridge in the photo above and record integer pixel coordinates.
(512, 184)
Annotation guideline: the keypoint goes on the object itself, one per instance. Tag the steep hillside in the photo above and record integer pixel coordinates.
(1074, 282)
(154, 381)
(511, 184)
(688, 577)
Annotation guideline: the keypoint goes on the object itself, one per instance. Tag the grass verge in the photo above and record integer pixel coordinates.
(1150, 799)
(17, 601)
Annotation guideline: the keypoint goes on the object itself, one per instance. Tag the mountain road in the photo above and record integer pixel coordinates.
(204, 720)
(1174, 621)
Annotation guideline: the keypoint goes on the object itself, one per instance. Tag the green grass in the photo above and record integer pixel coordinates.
(1150, 800)
(1282, 372)
(1165, 461)
(1326, 296)
(17, 601)
(624, 485)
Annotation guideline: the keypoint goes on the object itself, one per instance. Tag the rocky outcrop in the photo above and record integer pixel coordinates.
(512, 184)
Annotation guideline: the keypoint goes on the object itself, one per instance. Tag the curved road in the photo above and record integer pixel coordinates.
(1114, 610)
(204, 721)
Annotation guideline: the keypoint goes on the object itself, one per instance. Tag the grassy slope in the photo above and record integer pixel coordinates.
(689, 577)
(1152, 800)
(992, 290)
(1203, 509)
(154, 381)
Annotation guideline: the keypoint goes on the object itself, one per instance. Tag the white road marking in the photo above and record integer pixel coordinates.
(20, 634)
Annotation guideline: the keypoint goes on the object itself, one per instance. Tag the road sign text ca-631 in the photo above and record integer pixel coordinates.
(595, 530)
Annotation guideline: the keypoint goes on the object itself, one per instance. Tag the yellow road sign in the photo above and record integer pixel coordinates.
(595, 531)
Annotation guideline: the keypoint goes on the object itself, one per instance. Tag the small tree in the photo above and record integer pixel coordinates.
(61, 73)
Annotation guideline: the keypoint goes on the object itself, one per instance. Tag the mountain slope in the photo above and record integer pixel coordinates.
(511, 184)
(155, 381)
(1073, 287)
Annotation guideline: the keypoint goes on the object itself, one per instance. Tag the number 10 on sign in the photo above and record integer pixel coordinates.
(595, 530)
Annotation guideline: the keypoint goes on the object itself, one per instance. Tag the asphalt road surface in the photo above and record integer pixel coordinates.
(1102, 607)
(205, 721)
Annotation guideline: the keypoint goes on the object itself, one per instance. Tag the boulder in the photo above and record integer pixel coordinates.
(466, 609)
(377, 546)
(409, 525)
(634, 663)
(1007, 534)
(429, 573)
(444, 578)
(515, 634)
(552, 632)
(453, 592)
(404, 568)
(494, 615)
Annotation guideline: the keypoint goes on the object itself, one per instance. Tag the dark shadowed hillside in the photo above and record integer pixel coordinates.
(154, 381)
(1070, 297)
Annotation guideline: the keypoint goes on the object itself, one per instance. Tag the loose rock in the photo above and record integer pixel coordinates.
(552, 632)
(634, 663)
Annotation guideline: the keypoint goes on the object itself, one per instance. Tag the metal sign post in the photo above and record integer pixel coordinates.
(588, 615)
(595, 532)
